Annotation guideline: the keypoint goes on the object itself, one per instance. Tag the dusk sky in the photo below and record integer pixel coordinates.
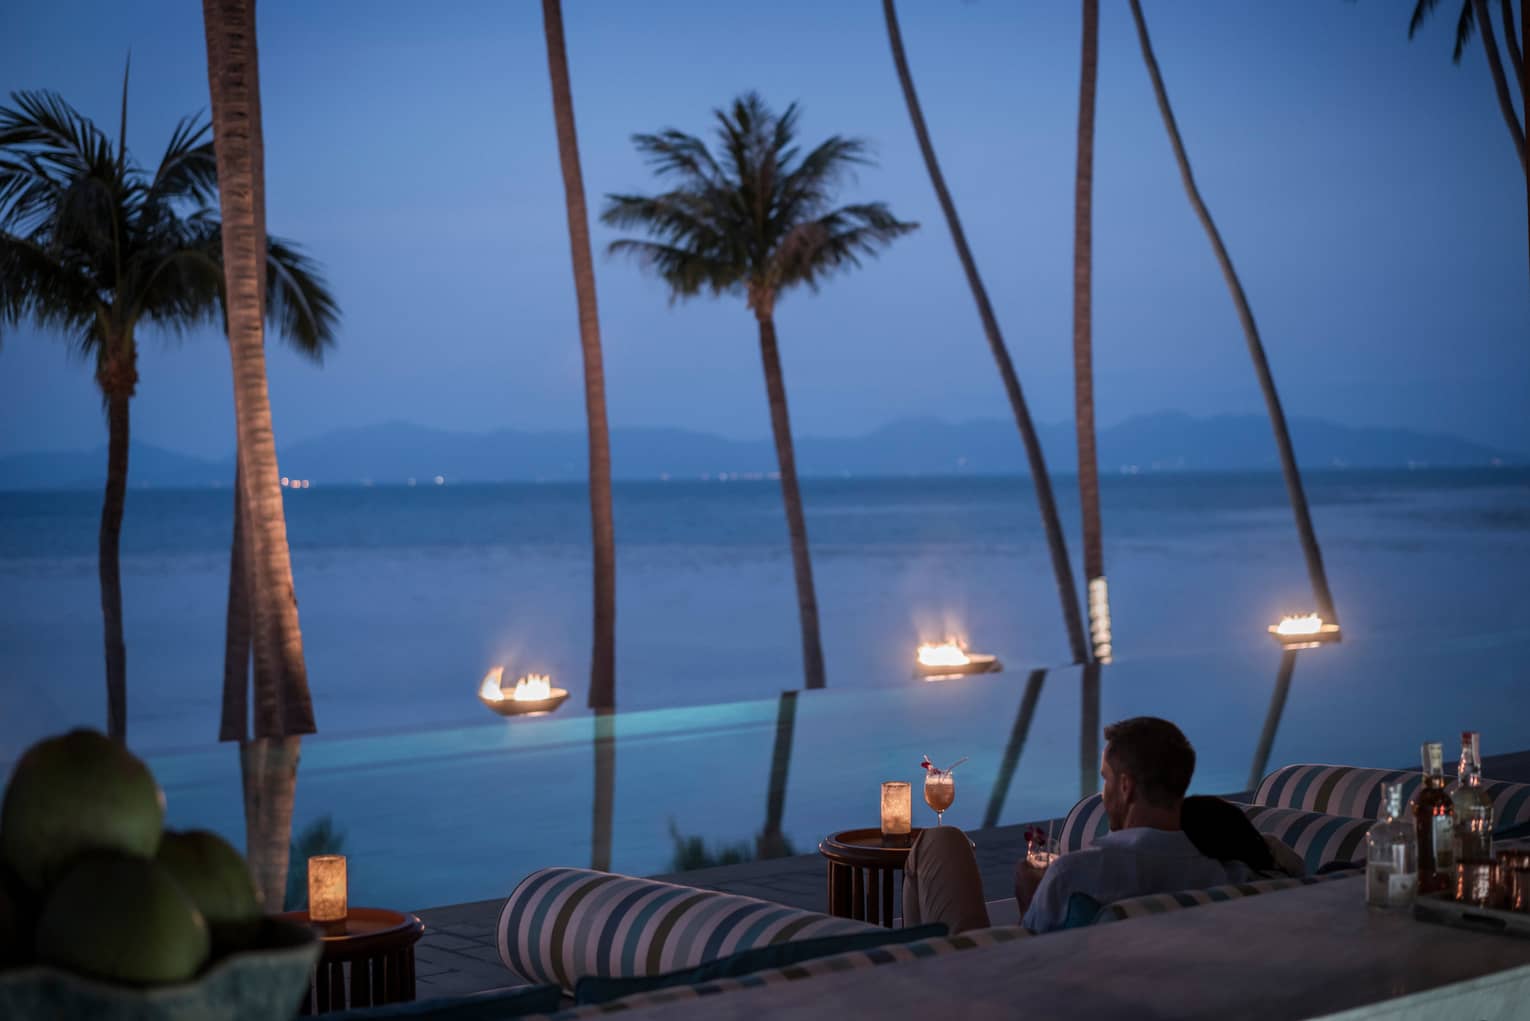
(1366, 187)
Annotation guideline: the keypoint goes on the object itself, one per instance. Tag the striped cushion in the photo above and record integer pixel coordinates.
(1317, 837)
(561, 924)
(855, 960)
(1160, 903)
(1353, 791)
(1085, 824)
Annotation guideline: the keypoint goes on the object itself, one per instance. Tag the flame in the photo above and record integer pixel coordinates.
(533, 688)
(1310, 624)
(489, 690)
(947, 653)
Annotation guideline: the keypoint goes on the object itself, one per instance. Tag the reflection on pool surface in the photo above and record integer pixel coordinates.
(450, 815)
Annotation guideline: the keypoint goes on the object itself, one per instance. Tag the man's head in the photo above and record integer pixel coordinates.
(1146, 769)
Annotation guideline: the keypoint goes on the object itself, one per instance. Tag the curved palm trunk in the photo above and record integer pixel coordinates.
(603, 529)
(796, 525)
(605, 790)
(1083, 343)
(1066, 590)
(1012, 750)
(108, 565)
(771, 842)
(1272, 718)
(237, 639)
(1293, 479)
(1500, 84)
(283, 708)
(1524, 90)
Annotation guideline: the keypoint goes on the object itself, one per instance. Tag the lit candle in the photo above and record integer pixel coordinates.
(897, 809)
(326, 888)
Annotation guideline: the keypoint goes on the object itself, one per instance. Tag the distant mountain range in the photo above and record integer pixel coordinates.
(395, 452)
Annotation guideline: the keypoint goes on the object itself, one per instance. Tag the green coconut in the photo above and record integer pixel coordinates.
(71, 794)
(122, 919)
(215, 877)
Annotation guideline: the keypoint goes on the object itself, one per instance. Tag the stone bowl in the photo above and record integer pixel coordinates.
(264, 982)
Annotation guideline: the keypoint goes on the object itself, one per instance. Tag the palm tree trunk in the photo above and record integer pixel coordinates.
(771, 842)
(796, 525)
(603, 529)
(1272, 718)
(1294, 491)
(283, 707)
(1066, 590)
(1089, 730)
(270, 766)
(234, 724)
(1524, 91)
(605, 789)
(1098, 598)
(108, 565)
(1012, 750)
(1500, 84)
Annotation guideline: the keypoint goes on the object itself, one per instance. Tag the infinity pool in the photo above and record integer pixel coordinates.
(449, 815)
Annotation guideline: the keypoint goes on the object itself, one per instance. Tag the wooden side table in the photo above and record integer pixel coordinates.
(862, 866)
(368, 963)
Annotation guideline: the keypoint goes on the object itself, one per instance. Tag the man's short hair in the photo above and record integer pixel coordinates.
(1156, 754)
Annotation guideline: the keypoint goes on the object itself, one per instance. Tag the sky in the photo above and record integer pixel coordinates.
(1366, 187)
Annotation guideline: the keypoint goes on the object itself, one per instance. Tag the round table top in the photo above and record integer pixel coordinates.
(364, 929)
(867, 847)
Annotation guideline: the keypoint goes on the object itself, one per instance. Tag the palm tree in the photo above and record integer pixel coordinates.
(1066, 590)
(756, 220)
(1083, 342)
(1293, 478)
(603, 653)
(95, 247)
(1474, 13)
(283, 709)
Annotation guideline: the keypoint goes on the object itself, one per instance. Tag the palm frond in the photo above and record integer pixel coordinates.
(65, 140)
(36, 287)
(188, 170)
(686, 271)
(834, 242)
(1465, 25)
(299, 305)
(1421, 12)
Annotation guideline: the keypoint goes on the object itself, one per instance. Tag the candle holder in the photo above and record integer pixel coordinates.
(327, 891)
(897, 813)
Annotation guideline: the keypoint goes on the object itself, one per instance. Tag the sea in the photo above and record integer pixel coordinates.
(408, 595)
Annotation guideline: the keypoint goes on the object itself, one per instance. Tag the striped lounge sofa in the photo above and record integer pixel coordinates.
(1321, 811)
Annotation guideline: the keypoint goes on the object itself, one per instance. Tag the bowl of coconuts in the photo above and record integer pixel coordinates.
(106, 914)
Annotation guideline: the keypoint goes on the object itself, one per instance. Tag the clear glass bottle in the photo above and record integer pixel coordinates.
(1473, 826)
(1391, 854)
(1434, 823)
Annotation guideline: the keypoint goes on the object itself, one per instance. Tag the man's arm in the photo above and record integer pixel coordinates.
(1047, 907)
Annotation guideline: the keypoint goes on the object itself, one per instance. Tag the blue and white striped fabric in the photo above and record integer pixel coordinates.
(1161, 903)
(1317, 837)
(561, 924)
(854, 960)
(1356, 792)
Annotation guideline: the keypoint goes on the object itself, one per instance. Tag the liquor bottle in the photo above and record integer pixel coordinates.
(1473, 839)
(1391, 854)
(1434, 822)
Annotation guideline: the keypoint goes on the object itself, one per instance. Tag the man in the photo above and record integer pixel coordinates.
(1146, 770)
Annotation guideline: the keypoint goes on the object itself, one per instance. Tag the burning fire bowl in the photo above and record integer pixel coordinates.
(1305, 639)
(526, 706)
(977, 663)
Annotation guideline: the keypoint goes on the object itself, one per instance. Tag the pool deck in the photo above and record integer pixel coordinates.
(459, 954)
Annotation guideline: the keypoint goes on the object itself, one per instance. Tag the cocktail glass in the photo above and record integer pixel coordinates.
(939, 791)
